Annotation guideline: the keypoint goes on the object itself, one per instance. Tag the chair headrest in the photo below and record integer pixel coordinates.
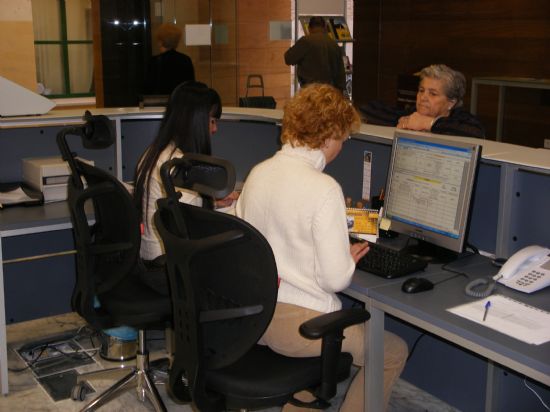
(207, 175)
(98, 131)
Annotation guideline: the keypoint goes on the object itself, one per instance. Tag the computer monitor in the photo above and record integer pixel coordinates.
(429, 191)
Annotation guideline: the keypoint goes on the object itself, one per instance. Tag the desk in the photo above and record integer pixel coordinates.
(247, 136)
(503, 83)
(427, 310)
(20, 221)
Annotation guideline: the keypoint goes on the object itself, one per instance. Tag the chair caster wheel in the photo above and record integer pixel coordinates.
(79, 392)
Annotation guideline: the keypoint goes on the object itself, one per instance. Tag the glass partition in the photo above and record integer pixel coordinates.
(215, 63)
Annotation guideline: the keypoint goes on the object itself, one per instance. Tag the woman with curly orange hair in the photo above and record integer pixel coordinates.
(301, 212)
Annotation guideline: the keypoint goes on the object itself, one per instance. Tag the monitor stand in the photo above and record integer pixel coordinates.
(429, 252)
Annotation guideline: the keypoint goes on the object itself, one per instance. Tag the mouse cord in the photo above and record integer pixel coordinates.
(457, 273)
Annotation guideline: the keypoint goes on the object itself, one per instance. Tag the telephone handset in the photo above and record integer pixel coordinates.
(528, 270)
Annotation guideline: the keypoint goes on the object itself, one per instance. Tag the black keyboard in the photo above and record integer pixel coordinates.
(389, 263)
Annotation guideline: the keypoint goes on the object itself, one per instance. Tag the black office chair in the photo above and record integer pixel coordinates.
(108, 291)
(223, 280)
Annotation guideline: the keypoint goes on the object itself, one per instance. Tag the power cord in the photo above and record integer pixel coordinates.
(414, 345)
(82, 332)
(456, 272)
(477, 288)
(536, 394)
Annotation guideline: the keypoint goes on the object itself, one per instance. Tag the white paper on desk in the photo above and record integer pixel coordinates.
(509, 316)
(14, 196)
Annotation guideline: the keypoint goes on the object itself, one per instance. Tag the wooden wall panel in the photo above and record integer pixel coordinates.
(479, 38)
(257, 54)
(17, 58)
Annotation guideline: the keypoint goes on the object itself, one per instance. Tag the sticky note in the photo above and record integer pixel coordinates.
(385, 223)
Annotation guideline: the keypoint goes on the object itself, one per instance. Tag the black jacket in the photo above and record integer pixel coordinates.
(459, 122)
(166, 71)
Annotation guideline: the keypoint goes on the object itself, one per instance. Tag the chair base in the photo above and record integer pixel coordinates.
(117, 350)
(138, 377)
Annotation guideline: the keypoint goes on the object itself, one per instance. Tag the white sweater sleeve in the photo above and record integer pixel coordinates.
(335, 266)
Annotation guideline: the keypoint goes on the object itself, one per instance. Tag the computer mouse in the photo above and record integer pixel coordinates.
(415, 285)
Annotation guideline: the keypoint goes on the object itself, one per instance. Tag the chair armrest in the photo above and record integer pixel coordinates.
(330, 327)
(332, 322)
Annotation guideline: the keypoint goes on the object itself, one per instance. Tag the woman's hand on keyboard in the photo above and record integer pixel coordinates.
(358, 250)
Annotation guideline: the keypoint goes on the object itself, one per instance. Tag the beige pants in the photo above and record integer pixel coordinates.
(283, 336)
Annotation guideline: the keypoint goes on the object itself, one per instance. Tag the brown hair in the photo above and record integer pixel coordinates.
(169, 35)
(316, 113)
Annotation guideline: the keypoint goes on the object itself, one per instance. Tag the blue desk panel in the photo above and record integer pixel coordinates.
(16, 144)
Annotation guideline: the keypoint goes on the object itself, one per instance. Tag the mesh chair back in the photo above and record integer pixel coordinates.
(223, 280)
(108, 249)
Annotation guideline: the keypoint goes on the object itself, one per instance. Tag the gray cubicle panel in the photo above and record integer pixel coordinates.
(136, 136)
(38, 288)
(484, 214)
(347, 168)
(442, 369)
(244, 143)
(530, 223)
(19, 143)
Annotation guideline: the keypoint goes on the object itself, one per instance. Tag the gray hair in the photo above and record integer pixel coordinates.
(454, 82)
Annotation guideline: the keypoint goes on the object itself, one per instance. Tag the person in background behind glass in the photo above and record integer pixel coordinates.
(170, 68)
(318, 58)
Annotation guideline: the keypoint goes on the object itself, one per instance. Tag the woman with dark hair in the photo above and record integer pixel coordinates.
(189, 121)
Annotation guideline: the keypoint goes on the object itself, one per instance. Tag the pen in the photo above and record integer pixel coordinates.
(487, 306)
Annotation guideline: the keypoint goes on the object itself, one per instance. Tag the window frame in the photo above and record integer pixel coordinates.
(64, 44)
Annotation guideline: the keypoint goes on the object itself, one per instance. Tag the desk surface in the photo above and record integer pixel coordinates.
(18, 220)
(74, 116)
(428, 310)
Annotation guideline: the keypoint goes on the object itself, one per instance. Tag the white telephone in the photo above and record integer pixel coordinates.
(528, 270)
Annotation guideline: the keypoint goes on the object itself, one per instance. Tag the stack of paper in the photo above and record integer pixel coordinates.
(15, 196)
(508, 316)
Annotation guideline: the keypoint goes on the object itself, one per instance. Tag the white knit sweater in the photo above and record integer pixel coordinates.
(151, 244)
(301, 212)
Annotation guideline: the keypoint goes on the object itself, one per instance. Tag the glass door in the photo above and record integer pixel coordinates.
(214, 59)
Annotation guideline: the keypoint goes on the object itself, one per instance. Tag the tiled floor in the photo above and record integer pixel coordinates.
(27, 395)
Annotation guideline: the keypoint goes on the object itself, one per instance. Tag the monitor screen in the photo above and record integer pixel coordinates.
(429, 188)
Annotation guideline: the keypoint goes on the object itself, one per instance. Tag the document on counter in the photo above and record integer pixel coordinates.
(14, 194)
(509, 316)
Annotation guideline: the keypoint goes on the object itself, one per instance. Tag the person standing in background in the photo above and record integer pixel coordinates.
(318, 58)
(170, 67)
